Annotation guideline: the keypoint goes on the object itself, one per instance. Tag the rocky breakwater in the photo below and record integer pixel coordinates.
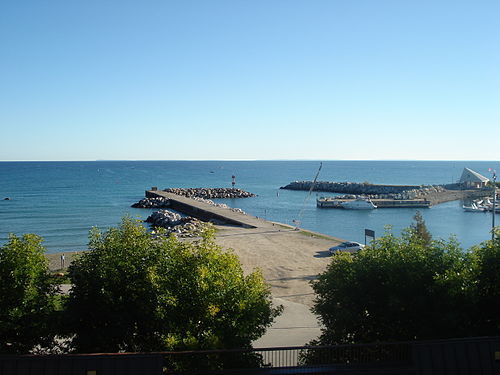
(152, 203)
(174, 223)
(210, 193)
(349, 187)
(435, 194)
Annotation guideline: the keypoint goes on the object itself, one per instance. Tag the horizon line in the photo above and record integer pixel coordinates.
(224, 160)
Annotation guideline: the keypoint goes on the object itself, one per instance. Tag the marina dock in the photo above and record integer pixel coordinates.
(380, 203)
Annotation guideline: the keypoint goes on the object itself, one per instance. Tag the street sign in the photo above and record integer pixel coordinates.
(369, 233)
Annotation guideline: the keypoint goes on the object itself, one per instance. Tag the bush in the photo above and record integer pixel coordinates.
(137, 292)
(27, 296)
(409, 288)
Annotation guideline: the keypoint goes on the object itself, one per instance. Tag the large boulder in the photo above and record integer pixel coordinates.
(158, 202)
(164, 219)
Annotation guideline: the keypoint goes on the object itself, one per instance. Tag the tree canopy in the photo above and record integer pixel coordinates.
(407, 288)
(27, 295)
(134, 291)
(484, 287)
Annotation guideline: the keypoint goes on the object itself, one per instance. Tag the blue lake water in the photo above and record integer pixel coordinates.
(61, 201)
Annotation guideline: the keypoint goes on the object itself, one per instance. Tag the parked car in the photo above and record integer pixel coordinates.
(350, 247)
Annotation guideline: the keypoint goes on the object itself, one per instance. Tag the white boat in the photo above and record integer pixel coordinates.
(489, 208)
(359, 204)
(484, 205)
(474, 208)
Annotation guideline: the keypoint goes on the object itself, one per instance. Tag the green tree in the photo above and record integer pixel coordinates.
(396, 289)
(484, 287)
(137, 292)
(27, 295)
(420, 229)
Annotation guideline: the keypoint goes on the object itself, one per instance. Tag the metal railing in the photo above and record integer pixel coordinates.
(467, 356)
(287, 357)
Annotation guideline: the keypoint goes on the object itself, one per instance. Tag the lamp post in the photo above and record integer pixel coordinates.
(494, 205)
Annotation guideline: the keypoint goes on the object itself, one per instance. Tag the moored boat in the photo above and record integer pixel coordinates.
(474, 208)
(482, 206)
(337, 202)
(490, 208)
(359, 204)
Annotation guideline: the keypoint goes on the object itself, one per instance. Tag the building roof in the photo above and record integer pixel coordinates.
(468, 175)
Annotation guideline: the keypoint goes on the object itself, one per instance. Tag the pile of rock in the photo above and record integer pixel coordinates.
(164, 219)
(191, 228)
(174, 223)
(210, 193)
(212, 203)
(152, 203)
(421, 193)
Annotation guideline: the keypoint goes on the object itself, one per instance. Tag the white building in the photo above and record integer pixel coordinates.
(473, 180)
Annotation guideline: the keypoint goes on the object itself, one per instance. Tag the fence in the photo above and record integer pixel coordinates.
(471, 356)
(318, 359)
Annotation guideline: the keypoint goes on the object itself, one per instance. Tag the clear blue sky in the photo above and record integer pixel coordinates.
(258, 79)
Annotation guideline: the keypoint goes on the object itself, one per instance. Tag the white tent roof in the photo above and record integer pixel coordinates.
(468, 175)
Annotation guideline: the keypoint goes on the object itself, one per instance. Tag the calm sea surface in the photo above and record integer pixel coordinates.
(61, 201)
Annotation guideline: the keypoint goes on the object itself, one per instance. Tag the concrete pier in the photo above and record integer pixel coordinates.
(205, 211)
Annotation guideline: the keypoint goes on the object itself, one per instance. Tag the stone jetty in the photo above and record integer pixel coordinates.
(210, 193)
(350, 187)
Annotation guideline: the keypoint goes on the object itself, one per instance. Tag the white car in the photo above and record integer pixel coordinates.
(350, 247)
